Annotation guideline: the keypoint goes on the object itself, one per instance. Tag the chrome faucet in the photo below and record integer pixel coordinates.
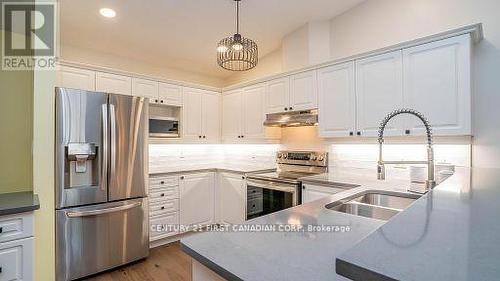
(430, 182)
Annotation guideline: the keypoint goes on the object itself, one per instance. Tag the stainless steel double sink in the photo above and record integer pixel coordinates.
(381, 205)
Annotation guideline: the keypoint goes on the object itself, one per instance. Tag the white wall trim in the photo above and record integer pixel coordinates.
(475, 30)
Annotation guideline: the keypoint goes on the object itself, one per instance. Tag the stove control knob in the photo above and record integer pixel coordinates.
(321, 158)
(280, 155)
(314, 157)
(285, 156)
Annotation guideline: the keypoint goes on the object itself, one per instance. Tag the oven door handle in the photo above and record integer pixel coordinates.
(273, 186)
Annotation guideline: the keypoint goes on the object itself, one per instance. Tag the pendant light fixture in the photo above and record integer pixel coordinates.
(237, 53)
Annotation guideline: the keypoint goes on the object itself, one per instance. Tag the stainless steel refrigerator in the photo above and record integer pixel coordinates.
(100, 181)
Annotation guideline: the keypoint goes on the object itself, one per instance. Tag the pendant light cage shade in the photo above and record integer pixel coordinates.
(237, 53)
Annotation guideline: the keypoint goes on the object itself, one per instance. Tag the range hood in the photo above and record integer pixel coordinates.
(292, 119)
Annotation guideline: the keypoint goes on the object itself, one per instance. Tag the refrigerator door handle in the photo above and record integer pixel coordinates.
(103, 211)
(105, 147)
(113, 139)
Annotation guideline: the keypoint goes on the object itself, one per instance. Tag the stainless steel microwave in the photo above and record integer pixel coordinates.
(163, 127)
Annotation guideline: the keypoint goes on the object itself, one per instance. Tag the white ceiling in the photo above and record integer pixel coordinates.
(182, 34)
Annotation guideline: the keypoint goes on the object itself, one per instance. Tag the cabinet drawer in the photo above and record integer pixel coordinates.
(168, 193)
(16, 260)
(159, 226)
(163, 207)
(159, 182)
(16, 226)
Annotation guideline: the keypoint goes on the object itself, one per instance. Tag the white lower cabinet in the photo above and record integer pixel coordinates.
(311, 192)
(163, 207)
(231, 198)
(16, 247)
(197, 198)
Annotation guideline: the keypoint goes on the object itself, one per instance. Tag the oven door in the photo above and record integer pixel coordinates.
(265, 197)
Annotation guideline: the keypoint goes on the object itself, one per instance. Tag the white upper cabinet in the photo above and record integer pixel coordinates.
(379, 90)
(211, 116)
(303, 91)
(231, 115)
(253, 111)
(145, 88)
(192, 114)
(437, 83)
(114, 84)
(201, 119)
(277, 95)
(337, 100)
(76, 78)
(170, 94)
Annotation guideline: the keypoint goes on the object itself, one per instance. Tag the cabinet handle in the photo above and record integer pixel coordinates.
(204, 137)
(162, 207)
(242, 136)
(303, 187)
(1, 229)
(162, 182)
(407, 132)
(358, 133)
(182, 177)
(351, 133)
(290, 108)
(161, 101)
(242, 177)
(156, 101)
(253, 206)
(0, 269)
(163, 194)
(239, 136)
(286, 108)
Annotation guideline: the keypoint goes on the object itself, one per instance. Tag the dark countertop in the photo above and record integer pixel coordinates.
(290, 255)
(18, 202)
(452, 233)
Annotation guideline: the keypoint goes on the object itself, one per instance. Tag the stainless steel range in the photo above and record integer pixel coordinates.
(275, 191)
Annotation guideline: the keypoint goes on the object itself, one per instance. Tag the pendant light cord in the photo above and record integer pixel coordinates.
(237, 17)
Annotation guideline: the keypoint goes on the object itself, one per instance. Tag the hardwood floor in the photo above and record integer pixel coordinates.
(165, 263)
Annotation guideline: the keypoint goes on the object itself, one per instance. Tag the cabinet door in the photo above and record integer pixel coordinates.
(16, 259)
(314, 192)
(211, 116)
(231, 115)
(192, 114)
(379, 89)
(170, 94)
(145, 88)
(253, 112)
(232, 198)
(337, 100)
(437, 83)
(114, 84)
(197, 199)
(76, 78)
(303, 91)
(277, 95)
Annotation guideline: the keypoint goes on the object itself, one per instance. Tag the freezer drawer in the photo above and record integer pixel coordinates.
(95, 238)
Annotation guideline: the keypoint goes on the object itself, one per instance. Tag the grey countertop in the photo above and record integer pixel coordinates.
(452, 233)
(290, 255)
(18, 202)
(221, 167)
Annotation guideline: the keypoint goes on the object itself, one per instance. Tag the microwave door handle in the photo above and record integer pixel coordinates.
(112, 112)
(105, 147)
(97, 212)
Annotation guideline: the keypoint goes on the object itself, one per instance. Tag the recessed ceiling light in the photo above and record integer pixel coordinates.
(107, 12)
